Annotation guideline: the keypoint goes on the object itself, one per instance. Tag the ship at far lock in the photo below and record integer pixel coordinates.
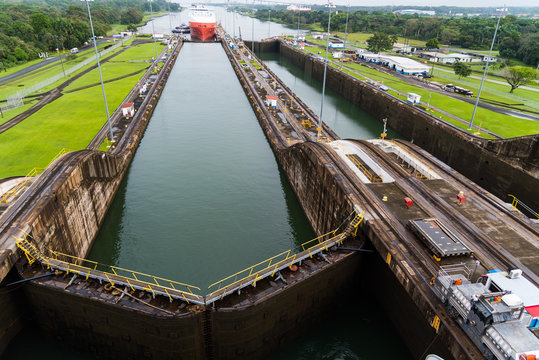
(202, 23)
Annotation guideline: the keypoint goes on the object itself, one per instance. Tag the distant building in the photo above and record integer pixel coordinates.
(449, 58)
(318, 36)
(415, 11)
(128, 110)
(403, 48)
(413, 98)
(271, 101)
(298, 8)
(336, 45)
(399, 64)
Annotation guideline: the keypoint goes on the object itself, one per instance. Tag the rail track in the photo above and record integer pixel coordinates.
(492, 254)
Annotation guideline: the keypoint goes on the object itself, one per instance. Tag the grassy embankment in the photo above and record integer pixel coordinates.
(9, 88)
(500, 124)
(72, 120)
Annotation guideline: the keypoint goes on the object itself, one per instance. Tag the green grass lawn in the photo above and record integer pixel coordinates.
(72, 120)
(11, 87)
(503, 125)
(10, 114)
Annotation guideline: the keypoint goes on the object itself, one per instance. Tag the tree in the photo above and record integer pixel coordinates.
(131, 16)
(379, 42)
(132, 28)
(518, 75)
(433, 44)
(461, 69)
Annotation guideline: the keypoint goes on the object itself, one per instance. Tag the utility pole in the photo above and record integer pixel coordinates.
(169, 17)
(269, 23)
(60, 55)
(253, 30)
(153, 29)
(99, 68)
(486, 69)
(346, 25)
(329, 5)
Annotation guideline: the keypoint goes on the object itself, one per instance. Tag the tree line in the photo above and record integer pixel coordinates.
(517, 37)
(28, 29)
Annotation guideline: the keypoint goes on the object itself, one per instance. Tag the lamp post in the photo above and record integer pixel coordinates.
(99, 68)
(253, 30)
(169, 17)
(153, 29)
(486, 68)
(346, 25)
(329, 5)
(269, 22)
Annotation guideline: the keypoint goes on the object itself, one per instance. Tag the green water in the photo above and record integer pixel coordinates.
(204, 197)
(346, 119)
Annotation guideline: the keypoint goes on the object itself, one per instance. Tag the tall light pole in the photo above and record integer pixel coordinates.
(329, 5)
(269, 22)
(153, 29)
(99, 68)
(346, 25)
(486, 68)
(253, 30)
(234, 24)
(169, 17)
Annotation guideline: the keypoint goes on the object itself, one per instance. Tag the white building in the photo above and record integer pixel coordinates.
(336, 45)
(449, 58)
(399, 64)
(415, 11)
(413, 98)
(271, 101)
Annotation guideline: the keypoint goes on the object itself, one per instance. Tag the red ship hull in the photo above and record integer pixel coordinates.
(202, 31)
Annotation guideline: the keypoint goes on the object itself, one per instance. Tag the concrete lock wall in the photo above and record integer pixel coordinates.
(68, 218)
(64, 208)
(501, 166)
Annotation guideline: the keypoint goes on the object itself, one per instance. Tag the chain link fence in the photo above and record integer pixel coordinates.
(17, 100)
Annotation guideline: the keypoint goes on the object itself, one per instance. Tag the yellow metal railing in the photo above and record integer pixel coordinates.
(368, 173)
(516, 202)
(18, 189)
(111, 274)
(427, 166)
(269, 267)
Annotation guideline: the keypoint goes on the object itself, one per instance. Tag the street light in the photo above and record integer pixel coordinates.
(169, 17)
(346, 24)
(99, 68)
(153, 29)
(486, 68)
(330, 6)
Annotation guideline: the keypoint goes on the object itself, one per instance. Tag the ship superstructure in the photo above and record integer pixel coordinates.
(202, 23)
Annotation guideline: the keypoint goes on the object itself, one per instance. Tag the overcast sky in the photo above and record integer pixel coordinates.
(464, 3)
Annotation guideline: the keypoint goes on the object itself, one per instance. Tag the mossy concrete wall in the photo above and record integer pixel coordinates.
(502, 167)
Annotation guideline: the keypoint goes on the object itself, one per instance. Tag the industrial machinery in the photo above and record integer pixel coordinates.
(496, 321)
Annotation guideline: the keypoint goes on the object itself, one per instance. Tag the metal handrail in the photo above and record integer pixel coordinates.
(18, 189)
(409, 153)
(373, 177)
(516, 202)
(289, 260)
(134, 282)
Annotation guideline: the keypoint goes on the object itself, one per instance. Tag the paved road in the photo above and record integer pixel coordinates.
(28, 69)
(491, 80)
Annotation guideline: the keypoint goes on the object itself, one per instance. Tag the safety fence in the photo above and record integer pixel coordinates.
(516, 203)
(113, 275)
(368, 173)
(155, 285)
(16, 100)
(429, 169)
(16, 191)
(286, 259)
